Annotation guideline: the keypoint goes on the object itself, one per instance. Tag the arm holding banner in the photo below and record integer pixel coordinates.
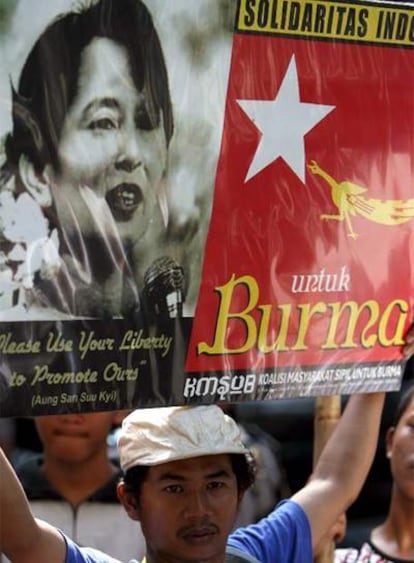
(344, 462)
(24, 539)
(327, 414)
(343, 465)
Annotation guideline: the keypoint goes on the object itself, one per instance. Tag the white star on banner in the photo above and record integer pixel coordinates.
(283, 123)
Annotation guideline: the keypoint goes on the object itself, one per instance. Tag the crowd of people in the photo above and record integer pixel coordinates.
(185, 472)
(180, 487)
(181, 478)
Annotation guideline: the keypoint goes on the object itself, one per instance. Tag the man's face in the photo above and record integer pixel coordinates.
(112, 142)
(74, 438)
(400, 450)
(187, 509)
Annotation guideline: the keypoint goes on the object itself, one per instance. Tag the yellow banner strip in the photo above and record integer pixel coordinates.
(354, 22)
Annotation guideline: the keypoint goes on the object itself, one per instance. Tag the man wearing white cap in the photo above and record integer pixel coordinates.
(185, 471)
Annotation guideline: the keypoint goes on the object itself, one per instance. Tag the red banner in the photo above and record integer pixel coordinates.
(309, 257)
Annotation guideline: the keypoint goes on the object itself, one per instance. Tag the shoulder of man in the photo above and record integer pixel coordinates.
(234, 555)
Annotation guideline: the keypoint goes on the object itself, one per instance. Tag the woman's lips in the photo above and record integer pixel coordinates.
(123, 200)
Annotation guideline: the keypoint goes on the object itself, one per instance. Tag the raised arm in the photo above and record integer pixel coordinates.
(23, 539)
(343, 464)
(346, 459)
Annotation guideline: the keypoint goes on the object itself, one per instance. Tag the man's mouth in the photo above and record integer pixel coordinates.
(70, 433)
(123, 200)
(198, 535)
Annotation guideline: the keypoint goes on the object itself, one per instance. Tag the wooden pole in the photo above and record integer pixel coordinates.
(327, 414)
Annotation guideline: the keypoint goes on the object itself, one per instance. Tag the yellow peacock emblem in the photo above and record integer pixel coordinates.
(349, 200)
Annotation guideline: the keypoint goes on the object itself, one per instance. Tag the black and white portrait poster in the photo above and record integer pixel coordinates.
(185, 211)
(111, 115)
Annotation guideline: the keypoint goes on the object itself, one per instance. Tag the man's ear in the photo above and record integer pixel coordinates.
(128, 501)
(37, 185)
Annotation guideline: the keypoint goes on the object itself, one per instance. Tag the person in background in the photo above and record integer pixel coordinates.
(72, 483)
(393, 540)
(185, 473)
(7, 435)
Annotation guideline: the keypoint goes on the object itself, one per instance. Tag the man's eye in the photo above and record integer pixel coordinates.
(104, 124)
(174, 489)
(216, 485)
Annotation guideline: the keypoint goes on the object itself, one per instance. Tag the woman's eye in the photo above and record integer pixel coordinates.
(146, 120)
(104, 124)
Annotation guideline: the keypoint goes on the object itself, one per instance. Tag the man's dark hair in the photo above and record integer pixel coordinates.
(244, 468)
(49, 79)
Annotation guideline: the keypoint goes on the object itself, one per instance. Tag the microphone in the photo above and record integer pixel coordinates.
(164, 288)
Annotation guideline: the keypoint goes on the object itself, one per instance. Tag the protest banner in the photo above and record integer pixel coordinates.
(203, 203)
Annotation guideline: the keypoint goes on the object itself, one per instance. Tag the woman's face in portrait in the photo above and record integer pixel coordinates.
(112, 142)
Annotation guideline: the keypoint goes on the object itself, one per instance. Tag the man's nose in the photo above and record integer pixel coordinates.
(129, 157)
(197, 505)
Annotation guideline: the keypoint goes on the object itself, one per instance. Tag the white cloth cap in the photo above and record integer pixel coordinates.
(155, 436)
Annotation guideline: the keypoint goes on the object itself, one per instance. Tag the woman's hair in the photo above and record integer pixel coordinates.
(49, 79)
(244, 468)
(403, 404)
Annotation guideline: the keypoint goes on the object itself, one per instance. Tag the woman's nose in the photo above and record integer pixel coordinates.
(129, 157)
(127, 163)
